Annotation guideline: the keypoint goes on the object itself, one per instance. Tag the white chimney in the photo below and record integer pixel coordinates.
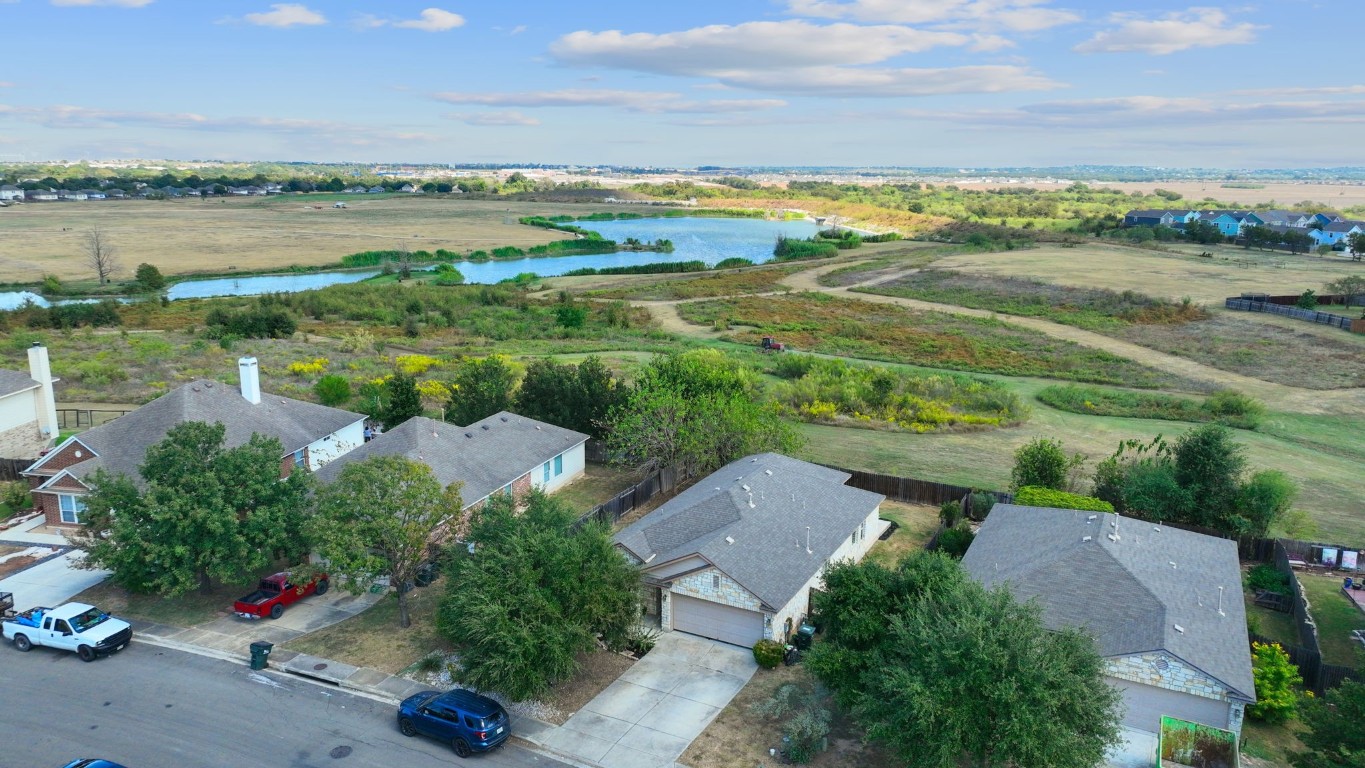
(40, 369)
(250, 374)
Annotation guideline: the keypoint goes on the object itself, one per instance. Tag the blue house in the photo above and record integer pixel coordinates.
(1230, 223)
(1336, 232)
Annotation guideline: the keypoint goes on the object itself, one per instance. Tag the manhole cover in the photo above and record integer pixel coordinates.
(319, 666)
(339, 752)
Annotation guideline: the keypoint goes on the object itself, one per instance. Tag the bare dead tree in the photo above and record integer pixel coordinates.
(101, 255)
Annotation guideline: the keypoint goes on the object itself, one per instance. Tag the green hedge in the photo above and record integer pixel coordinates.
(641, 269)
(1033, 496)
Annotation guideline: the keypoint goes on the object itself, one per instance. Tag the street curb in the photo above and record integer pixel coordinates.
(541, 749)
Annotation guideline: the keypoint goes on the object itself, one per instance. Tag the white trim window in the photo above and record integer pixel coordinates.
(559, 465)
(71, 508)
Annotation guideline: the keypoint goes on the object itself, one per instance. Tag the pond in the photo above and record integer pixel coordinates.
(694, 239)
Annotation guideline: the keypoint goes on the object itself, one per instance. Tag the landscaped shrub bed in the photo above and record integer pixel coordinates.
(1033, 496)
(835, 392)
(1093, 309)
(1227, 407)
(817, 322)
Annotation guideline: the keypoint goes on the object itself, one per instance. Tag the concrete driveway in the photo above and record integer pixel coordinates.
(233, 634)
(651, 714)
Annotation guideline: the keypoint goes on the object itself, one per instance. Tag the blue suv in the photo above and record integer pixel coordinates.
(463, 719)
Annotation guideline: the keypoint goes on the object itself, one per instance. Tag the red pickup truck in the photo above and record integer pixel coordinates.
(274, 593)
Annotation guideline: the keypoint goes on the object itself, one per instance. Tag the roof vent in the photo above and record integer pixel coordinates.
(1090, 519)
(1178, 628)
(194, 389)
(485, 427)
(537, 426)
(208, 385)
(1156, 528)
(469, 434)
(768, 472)
(1112, 537)
(745, 487)
(504, 418)
(1172, 562)
(729, 539)
(1087, 538)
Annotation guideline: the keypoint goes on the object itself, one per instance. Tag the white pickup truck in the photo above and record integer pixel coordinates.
(78, 627)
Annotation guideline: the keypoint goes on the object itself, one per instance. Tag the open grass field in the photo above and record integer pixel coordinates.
(1322, 460)
(1166, 275)
(1283, 194)
(816, 322)
(191, 235)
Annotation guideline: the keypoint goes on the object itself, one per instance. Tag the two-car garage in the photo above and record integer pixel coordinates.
(716, 621)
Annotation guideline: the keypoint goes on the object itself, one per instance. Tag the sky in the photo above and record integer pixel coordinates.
(957, 83)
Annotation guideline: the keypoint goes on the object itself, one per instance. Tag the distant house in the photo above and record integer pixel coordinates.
(735, 557)
(1156, 218)
(312, 436)
(1336, 232)
(10, 192)
(41, 195)
(94, 194)
(1164, 605)
(355, 190)
(116, 194)
(376, 189)
(70, 194)
(1230, 223)
(1327, 217)
(407, 188)
(28, 410)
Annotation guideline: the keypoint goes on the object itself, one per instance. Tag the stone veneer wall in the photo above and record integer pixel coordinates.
(22, 442)
(1178, 676)
(702, 585)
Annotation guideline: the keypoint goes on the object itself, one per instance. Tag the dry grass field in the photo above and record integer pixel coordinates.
(1173, 275)
(186, 236)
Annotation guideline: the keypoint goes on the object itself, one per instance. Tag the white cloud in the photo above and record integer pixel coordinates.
(62, 116)
(855, 82)
(432, 20)
(772, 45)
(1013, 15)
(1173, 32)
(631, 101)
(494, 118)
(6, 84)
(518, 29)
(118, 3)
(286, 15)
(1147, 112)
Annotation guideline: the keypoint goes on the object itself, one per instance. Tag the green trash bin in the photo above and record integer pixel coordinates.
(802, 638)
(260, 654)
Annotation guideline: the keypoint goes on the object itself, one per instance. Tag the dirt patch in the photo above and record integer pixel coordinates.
(16, 559)
(738, 738)
(596, 671)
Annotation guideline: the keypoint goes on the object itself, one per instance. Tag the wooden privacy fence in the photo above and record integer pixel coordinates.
(1307, 655)
(1312, 316)
(10, 469)
(912, 491)
(84, 418)
(661, 481)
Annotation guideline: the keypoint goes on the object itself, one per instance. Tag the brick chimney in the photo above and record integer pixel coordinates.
(250, 374)
(41, 371)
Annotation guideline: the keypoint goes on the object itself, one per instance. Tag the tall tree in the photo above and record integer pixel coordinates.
(576, 397)
(400, 400)
(100, 254)
(149, 277)
(1209, 465)
(1333, 736)
(481, 389)
(378, 518)
(1351, 287)
(535, 593)
(1042, 463)
(202, 513)
(949, 674)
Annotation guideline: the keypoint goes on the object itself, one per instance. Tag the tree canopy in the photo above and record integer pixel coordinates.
(947, 673)
(576, 397)
(1333, 735)
(481, 389)
(378, 519)
(203, 513)
(535, 593)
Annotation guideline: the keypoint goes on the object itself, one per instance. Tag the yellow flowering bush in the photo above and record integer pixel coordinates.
(433, 390)
(416, 365)
(312, 367)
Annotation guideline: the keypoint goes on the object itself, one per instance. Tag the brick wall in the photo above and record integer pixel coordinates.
(65, 457)
(521, 486)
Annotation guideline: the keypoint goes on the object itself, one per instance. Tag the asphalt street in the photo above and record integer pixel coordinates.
(149, 707)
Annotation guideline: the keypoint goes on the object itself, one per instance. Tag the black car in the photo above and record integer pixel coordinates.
(463, 719)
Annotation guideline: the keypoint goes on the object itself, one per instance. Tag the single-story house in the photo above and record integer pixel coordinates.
(312, 435)
(734, 558)
(43, 195)
(28, 410)
(376, 189)
(1164, 605)
(504, 453)
(71, 194)
(10, 192)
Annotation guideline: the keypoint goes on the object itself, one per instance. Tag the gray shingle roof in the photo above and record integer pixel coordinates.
(485, 455)
(767, 521)
(122, 443)
(15, 381)
(1127, 593)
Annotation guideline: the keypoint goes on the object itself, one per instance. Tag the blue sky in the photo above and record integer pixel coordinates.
(747, 82)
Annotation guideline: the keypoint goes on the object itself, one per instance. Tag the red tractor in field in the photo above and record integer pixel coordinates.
(769, 344)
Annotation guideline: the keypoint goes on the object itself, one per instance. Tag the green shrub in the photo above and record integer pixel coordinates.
(950, 513)
(1268, 577)
(768, 653)
(332, 389)
(1225, 406)
(1276, 681)
(733, 262)
(1041, 462)
(1033, 496)
(661, 267)
(791, 249)
(982, 501)
(805, 719)
(955, 541)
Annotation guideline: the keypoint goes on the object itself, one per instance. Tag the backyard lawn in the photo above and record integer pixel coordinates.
(917, 524)
(1336, 616)
(1271, 623)
(599, 483)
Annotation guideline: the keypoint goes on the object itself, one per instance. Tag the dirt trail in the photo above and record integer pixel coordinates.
(1280, 396)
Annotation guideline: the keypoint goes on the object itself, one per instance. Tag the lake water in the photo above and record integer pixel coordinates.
(694, 239)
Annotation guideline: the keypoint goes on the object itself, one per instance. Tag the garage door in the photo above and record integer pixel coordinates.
(717, 621)
(1146, 704)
